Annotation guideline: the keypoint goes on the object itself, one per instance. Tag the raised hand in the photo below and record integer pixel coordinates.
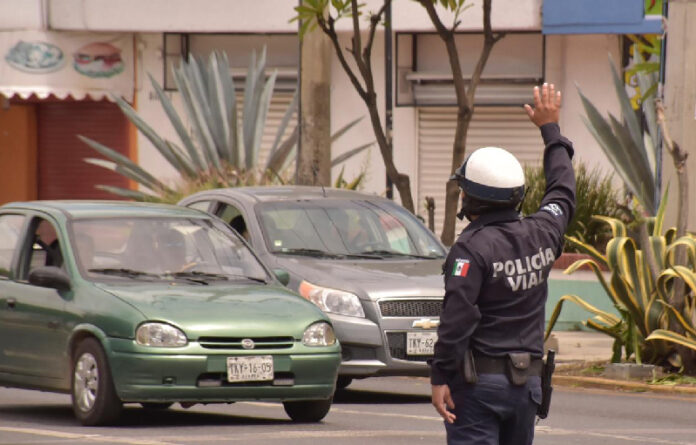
(547, 105)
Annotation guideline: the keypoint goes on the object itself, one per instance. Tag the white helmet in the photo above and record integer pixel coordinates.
(492, 175)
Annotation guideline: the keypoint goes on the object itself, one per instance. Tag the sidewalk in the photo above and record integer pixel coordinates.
(575, 348)
(580, 346)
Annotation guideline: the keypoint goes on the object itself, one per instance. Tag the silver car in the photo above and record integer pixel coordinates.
(364, 260)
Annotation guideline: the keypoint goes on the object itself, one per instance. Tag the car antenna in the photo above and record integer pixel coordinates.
(315, 173)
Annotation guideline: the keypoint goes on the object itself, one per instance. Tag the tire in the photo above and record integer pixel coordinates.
(159, 406)
(307, 411)
(94, 398)
(342, 382)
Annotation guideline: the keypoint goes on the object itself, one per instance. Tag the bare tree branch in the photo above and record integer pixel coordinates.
(330, 30)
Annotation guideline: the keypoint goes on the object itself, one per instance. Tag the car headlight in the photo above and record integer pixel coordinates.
(160, 334)
(332, 300)
(319, 334)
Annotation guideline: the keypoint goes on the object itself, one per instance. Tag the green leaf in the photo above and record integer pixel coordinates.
(178, 125)
(143, 176)
(341, 131)
(672, 337)
(127, 193)
(598, 273)
(292, 109)
(629, 116)
(580, 302)
(349, 154)
(588, 249)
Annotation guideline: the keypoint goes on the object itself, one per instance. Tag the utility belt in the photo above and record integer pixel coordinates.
(518, 367)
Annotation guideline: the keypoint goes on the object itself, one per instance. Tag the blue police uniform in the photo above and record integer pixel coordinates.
(495, 292)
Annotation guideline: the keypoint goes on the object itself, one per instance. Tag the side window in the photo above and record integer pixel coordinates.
(200, 205)
(46, 248)
(234, 218)
(10, 227)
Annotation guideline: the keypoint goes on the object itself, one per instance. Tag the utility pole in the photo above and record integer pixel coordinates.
(314, 149)
(680, 97)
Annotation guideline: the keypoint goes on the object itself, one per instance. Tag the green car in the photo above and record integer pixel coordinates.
(118, 302)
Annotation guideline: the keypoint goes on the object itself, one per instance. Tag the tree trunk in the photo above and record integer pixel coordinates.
(314, 149)
(452, 190)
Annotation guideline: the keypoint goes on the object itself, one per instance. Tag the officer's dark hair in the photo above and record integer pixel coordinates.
(474, 206)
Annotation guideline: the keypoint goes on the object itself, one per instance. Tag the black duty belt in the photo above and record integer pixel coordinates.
(498, 365)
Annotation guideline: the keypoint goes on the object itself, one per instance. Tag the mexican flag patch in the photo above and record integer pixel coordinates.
(461, 268)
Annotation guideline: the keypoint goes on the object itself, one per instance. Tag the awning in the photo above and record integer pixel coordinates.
(66, 64)
(599, 17)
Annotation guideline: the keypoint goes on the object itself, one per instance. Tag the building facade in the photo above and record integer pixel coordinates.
(118, 43)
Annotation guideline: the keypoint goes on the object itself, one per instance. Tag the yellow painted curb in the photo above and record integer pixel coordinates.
(599, 382)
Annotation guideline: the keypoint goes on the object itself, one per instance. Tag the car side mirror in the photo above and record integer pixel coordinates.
(282, 275)
(50, 276)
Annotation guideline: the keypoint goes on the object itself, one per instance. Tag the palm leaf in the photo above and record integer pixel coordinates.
(672, 337)
(349, 154)
(583, 304)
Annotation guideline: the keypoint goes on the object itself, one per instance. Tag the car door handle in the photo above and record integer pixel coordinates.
(11, 302)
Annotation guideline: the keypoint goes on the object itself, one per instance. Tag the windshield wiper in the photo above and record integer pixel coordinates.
(122, 272)
(202, 277)
(308, 252)
(383, 253)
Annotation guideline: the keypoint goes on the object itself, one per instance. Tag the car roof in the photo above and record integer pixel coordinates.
(285, 193)
(93, 208)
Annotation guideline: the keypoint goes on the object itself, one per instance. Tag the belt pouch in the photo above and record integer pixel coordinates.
(469, 368)
(517, 367)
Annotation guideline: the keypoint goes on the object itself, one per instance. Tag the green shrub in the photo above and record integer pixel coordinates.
(595, 195)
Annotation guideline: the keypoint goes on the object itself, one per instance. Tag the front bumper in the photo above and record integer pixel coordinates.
(378, 348)
(195, 374)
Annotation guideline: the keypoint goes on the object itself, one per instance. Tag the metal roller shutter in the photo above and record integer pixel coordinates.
(506, 127)
(62, 173)
(279, 105)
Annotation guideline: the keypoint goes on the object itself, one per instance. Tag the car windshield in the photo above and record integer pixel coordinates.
(193, 249)
(345, 229)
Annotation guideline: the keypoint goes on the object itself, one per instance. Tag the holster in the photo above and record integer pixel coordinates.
(469, 368)
(517, 367)
(546, 388)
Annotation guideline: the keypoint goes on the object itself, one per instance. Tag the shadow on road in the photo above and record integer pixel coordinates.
(359, 396)
(132, 416)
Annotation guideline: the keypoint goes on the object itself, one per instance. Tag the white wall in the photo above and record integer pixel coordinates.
(20, 14)
(244, 15)
(583, 60)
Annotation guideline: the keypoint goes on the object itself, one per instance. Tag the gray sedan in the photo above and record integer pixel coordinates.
(364, 260)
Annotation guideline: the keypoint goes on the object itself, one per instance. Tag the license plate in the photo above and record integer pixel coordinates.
(250, 369)
(420, 343)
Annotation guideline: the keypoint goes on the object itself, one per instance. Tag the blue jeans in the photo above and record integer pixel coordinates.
(493, 412)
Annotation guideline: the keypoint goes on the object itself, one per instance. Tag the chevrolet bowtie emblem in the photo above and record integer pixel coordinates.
(426, 323)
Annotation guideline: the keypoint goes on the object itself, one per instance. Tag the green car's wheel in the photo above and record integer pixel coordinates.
(307, 410)
(94, 398)
(156, 405)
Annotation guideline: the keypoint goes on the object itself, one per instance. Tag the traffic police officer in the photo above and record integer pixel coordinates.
(485, 373)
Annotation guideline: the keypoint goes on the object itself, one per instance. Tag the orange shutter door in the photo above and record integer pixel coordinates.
(62, 172)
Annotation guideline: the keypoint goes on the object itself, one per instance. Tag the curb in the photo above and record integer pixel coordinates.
(598, 382)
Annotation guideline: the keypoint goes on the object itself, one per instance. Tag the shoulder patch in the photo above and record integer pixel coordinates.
(553, 209)
(461, 267)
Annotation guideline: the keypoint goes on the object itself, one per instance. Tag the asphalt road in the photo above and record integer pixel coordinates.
(383, 411)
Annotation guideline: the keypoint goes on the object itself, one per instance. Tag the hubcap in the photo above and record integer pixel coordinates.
(86, 381)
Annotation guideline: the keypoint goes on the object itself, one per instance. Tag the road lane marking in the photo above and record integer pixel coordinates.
(86, 437)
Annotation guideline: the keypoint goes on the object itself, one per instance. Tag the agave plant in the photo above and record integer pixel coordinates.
(222, 148)
(631, 149)
(640, 298)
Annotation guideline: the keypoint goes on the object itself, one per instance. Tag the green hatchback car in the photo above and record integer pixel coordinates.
(118, 302)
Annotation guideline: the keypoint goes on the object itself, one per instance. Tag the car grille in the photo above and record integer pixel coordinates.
(410, 308)
(397, 348)
(236, 342)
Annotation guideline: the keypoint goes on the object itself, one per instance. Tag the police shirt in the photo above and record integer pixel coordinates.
(496, 273)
